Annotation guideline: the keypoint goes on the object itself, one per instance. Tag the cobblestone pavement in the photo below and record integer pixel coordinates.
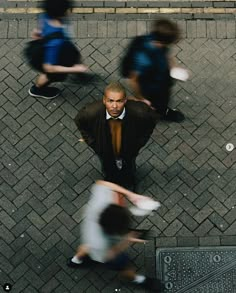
(45, 172)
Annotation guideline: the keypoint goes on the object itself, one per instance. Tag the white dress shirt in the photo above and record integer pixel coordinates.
(122, 115)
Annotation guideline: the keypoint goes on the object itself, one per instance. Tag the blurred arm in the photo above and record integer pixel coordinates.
(172, 61)
(133, 197)
(134, 84)
(49, 68)
(123, 245)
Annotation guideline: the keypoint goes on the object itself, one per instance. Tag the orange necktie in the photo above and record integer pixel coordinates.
(115, 127)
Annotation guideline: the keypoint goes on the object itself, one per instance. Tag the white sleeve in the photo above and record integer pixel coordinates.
(101, 197)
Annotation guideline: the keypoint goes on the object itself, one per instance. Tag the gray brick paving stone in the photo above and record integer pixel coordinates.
(50, 286)
(19, 271)
(35, 234)
(184, 232)
(173, 228)
(51, 213)
(36, 220)
(203, 228)
(48, 259)
(8, 252)
(188, 241)
(52, 184)
(18, 244)
(6, 220)
(230, 230)
(21, 285)
(218, 221)
(189, 170)
(228, 240)
(68, 178)
(209, 241)
(6, 266)
(202, 200)
(31, 260)
(6, 235)
(215, 232)
(20, 227)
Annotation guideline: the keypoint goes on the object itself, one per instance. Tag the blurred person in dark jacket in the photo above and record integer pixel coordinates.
(116, 129)
(149, 72)
(60, 55)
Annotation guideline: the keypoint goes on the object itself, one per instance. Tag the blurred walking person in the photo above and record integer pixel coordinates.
(60, 54)
(147, 66)
(106, 233)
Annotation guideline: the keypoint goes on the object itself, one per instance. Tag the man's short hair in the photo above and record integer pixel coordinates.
(165, 31)
(115, 220)
(115, 86)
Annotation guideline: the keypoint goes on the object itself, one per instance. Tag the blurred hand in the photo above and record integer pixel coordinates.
(147, 102)
(137, 197)
(134, 237)
(80, 68)
(36, 34)
(133, 98)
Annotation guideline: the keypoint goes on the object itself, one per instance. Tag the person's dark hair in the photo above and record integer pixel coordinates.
(115, 220)
(57, 8)
(165, 31)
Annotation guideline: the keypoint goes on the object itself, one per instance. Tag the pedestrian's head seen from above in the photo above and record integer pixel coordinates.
(115, 220)
(165, 32)
(114, 99)
(57, 8)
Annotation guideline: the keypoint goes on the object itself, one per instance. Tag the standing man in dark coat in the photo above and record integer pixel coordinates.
(116, 129)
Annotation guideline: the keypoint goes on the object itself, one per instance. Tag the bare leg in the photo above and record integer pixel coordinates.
(42, 80)
(128, 274)
(77, 259)
(82, 251)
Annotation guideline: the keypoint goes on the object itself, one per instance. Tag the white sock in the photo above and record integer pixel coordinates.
(139, 279)
(76, 260)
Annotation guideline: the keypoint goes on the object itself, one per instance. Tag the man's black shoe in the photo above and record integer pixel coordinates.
(47, 93)
(153, 285)
(174, 116)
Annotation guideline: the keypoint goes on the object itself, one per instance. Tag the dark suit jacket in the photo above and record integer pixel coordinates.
(137, 126)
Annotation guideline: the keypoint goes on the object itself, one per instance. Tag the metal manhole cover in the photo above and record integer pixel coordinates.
(197, 270)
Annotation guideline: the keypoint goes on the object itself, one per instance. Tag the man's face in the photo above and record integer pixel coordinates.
(114, 102)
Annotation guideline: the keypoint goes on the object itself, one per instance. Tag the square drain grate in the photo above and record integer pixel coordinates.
(197, 270)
